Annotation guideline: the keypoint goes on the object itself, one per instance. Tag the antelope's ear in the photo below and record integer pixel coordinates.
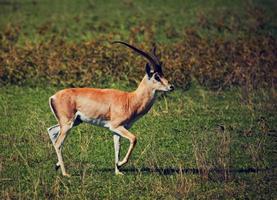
(148, 70)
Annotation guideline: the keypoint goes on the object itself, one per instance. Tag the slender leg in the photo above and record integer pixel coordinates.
(116, 139)
(58, 147)
(53, 132)
(132, 138)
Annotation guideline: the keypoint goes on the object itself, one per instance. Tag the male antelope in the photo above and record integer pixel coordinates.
(110, 108)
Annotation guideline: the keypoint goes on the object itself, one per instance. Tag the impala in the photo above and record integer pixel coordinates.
(113, 109)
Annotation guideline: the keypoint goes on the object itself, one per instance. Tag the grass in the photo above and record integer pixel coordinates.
(195, 144)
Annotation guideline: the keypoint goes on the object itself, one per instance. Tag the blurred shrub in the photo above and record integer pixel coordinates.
(222, 63)
(215, 62)
(92, 63)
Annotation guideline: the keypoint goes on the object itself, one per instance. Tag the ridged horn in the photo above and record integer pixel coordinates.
(154, 61)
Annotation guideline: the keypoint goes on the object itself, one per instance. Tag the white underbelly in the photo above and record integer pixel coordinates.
(93, 121)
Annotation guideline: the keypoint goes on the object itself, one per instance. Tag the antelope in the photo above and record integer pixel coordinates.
(110, 108)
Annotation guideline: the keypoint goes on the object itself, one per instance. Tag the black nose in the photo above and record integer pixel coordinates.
(171, 88)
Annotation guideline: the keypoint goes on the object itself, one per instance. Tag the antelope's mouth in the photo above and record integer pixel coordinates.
(171, 88)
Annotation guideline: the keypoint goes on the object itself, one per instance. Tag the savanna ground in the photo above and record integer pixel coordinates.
(212, 138)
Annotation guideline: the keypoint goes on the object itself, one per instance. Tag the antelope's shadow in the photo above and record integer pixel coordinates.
(171, 171)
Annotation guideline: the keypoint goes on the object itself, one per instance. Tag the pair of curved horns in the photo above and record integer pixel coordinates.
(151, 57)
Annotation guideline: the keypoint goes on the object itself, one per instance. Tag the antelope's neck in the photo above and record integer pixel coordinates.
(143, 97)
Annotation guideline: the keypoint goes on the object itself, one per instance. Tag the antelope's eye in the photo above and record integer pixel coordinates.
(157, 77)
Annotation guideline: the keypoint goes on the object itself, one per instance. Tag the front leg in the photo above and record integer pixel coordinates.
(121, 131)
(116, 139)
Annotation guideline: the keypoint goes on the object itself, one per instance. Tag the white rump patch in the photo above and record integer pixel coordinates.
(54, 133)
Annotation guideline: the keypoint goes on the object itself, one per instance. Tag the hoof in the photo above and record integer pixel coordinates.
(57, 167)
(120, 163)
(119, 173)
(66, 175)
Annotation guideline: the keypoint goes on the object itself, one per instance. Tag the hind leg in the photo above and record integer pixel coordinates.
(53, 132)
(58, 147)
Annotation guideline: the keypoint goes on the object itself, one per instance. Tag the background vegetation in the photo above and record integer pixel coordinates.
(214, 138)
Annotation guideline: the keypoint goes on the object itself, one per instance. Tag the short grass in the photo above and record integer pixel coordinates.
(196, 144)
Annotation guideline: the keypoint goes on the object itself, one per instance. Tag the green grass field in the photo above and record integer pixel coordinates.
(195, 143)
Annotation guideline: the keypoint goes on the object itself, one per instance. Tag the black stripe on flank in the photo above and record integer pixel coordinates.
(77, 121)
